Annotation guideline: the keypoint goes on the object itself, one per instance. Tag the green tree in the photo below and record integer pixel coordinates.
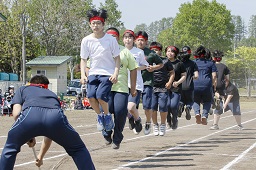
(114, 15)
(203, 22)
(59, 25)
(243, 63)
(141, 27)
(252, 26)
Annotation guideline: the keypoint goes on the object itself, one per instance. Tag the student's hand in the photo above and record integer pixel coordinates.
(83, 80)
(133, 93)
(150, 68)
(113, 79)
(32, 142)
(168, 85)
(39, 162)
(175, 84)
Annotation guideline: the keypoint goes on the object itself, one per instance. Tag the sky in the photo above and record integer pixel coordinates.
(135, 12)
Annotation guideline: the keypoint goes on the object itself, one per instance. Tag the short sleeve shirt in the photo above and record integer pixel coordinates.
(222, 72)
(33, 96)
(179, 68)
(141, 61)
(205, 70)
(127, 63)
(191, 67)
(101, 52)
(153, 59)
(231, 89)
(162, 75)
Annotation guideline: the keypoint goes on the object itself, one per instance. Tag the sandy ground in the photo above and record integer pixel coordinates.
(189, 147)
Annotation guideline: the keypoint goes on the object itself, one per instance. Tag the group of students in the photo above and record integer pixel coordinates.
(117, 77)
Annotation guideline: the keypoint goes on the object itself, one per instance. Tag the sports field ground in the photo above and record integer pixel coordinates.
(190, 147)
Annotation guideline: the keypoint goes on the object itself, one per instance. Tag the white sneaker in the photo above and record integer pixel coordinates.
(214, 127)
(147, 128)
(240, 127)
(156, 129)
(162, 129)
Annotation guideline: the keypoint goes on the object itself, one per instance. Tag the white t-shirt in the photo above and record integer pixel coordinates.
(101, 52)
(141, 61)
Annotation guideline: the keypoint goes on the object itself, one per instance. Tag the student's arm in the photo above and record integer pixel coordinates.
(214, 80)
(183, 78)
(83, 66)
(195, 75)
(16, 111)
(168, 85)
(44, 148)
(141, 67)
(113, 78)
(229, 97)
(133, 78)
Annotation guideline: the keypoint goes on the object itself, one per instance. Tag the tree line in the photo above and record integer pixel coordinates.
(56, 27)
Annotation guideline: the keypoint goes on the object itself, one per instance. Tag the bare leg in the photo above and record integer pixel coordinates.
(148, 114)
(104, 106)
(238, 119)
(163, 117)
(216, 118)
(133, 110)
(154, 117)
(95, 105)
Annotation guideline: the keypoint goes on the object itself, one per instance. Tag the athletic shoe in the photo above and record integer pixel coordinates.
(240, 127)
(180, 110)
(198, 119)
(138, 126)
(169, 122)
(115, 146)
(188, 116)
(100, 125)
(204, 121)
(156, 129)
(131, 123)
(210, 111)
(147, 128)
(214, 127)
(109, 124)
(108, 140)
(162, 129)
(175, 125)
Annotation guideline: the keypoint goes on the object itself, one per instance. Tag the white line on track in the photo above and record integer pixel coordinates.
(177, 147)
(238, 159)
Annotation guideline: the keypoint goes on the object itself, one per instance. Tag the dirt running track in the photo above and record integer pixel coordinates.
(189, 147)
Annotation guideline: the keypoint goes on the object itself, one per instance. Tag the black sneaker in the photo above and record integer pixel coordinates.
(131, 123)
(108, 140)
(175, 125)
(181, 109)
(138, 125)
(188, 116)
(115, 146)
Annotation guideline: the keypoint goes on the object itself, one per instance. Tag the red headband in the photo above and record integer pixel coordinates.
(97, 18)
(154, 46)
(112, 32)
(141, 36)
(45, 86)
(172, 48)
(130, 32)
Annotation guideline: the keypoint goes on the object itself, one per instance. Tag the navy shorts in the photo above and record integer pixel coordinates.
(99, 87)
(160, 98)
(234, 107)
(147, 97)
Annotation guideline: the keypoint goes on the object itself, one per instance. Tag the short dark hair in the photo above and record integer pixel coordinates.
(100, 13)
(156, 44)
(143, 33)
(113, 29)
(39, 79)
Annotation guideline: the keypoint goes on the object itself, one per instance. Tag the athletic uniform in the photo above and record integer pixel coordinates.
(101, 53)
(187, 93)
(160, 93)
(203, 86)
(118, 98)
(174, 94)
(148, 78)
(42, 116)
(141, 61)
